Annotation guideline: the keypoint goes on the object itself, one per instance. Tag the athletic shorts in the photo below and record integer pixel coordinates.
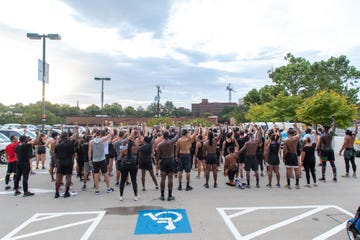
(52, 160)
(87, 167)
(231, 173)
(241, 158)
(274, 160)
(184, 163)
(100, 166)
(64, 168)
(145, 164)
(11, 167)
(167, 165)
(41, 150)
(251, 163)
(211, 158)
(291, 160)
(327, 154)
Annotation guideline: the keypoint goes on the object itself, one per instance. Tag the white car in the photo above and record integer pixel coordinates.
(4, 141)
(11, 126)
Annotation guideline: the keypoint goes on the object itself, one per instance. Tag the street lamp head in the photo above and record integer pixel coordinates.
(34, 36)
(102, 79)
(54, 36)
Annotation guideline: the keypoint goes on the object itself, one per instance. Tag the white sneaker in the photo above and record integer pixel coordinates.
(136, 198)
(121, 198)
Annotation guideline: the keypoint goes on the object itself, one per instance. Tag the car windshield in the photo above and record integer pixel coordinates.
(3, 138)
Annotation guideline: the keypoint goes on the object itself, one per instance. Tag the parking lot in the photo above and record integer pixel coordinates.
(221, 213)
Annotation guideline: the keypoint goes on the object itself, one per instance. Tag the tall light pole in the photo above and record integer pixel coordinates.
(36, 36)
(102, 97)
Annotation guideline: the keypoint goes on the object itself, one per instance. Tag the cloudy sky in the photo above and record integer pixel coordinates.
(192, 48)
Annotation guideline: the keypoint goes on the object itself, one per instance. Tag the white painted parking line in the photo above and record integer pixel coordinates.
(314, 209)
(45, 216)
(34, 190)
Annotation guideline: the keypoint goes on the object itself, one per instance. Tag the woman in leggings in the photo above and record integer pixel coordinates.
(308, 160)
(128, 165)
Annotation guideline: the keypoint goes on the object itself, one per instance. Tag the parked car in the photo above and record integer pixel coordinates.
(29, 127)
(11, 126)
(4, 141)
(17, 132)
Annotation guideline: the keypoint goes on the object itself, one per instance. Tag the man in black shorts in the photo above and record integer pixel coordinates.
(250, 160)
(166, 162)
(326, 150)
(64, 155)
(290, 156)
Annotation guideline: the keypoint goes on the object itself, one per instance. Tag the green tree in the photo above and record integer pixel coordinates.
(92, 110)
(168, 109)
(292, 77)
(130, 111)
(114, 109)
(252, 97)
(322, 106)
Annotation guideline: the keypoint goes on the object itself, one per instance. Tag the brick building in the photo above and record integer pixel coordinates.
(215, 108)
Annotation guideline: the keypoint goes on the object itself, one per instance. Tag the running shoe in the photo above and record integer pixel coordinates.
(180, 188)
(67, 194)
(278, 185)
(136, 198)
(268, 185)
(215, 185)
(16, 193)
(117, 184)
(57, 195)
(97, 192)
(346, 175)
(162, 198)
(287, 186)
(189, 188)
(121, 198)
(322, 179)
(7, 187)
(28, 194)
(206, 185)
(170, 198)
(335, 179)
(110, 190)
(257, 186)
(297, 186)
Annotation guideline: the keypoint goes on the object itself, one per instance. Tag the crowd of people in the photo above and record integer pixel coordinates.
(169, 151)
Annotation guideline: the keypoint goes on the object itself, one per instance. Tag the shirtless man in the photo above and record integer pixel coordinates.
(326, 150)
(211, 158)
(166, 162)
(250, 160)
(231, 166)
(183, 156)
(290, 156)
(51, 145)
(349, 153)
(159, 138)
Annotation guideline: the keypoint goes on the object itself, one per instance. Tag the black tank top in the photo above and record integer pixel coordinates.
(200, 154)
(227, 145)
(274, 148)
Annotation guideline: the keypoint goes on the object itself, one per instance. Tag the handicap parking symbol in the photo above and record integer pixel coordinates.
(164, 221)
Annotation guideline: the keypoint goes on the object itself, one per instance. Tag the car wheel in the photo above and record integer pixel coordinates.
(2, 157)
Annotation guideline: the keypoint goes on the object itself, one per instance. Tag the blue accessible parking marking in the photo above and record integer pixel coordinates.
(164, 221)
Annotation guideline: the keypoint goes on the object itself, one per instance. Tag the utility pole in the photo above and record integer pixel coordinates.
(230, 89)
(157, 99)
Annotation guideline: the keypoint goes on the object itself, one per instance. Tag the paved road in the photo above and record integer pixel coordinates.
(222, 213)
